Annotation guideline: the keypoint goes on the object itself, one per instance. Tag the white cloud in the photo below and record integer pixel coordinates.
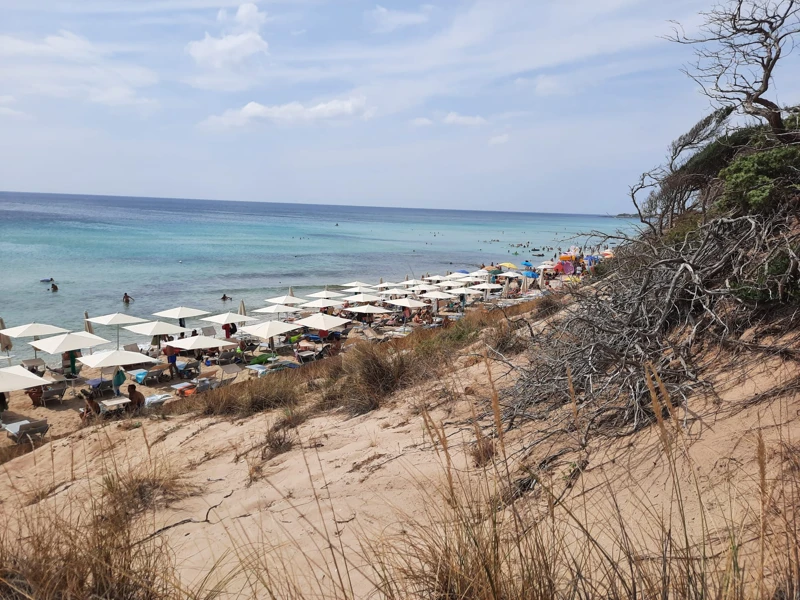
(247, 18)
(5, 111)
(384, 20)
(226, 51)
(229, 61)
(70, 66)
(291, 113)
(453, 118)
(421, 122)
(498, 140)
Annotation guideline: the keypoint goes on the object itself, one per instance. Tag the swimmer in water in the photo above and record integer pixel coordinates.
(126, 299)
(53, 287)
(225, 298)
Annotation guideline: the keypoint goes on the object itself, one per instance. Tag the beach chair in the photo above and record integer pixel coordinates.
(190, 370)
(209, 331)
(370, 335)
(107, 372)
(232, 369)
(132, 348)
(26, 431)
(154, 374)
(104, 387)
(54, 393)
(225, 358)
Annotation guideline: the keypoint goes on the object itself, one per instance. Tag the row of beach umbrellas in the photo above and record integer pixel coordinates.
(56, 340)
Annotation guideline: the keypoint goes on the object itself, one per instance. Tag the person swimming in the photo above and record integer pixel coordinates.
(126, 299)
(225, 297)
(53, 287)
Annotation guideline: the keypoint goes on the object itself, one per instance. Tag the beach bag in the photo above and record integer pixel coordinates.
(234, 329)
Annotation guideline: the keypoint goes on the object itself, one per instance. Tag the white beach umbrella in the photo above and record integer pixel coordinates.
(411, 282)
(68, 342)
(228, 318)
(511, 275)
(201, 342)
(33, 330)
(360, 289)
(277, 309)
(368, 309)
(480, 273)
(289, 298)
(424, 288)
(548, 264)
(19, 378)
(468, 279)
(180, 312)
(325, 294)
(362, 298)
(322, 322)
(385, 286)
(407, 303)
(395, 292)
(450, 284)
(435, 278)
(487, 286)
(439, 296)
(117, 319)
(152, 328)
(322, 303)
(115, 358)
(356, 284)
(470, 291)
(270, 329)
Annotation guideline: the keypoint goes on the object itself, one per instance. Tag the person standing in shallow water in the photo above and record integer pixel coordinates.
(53, 287)
(126, 299)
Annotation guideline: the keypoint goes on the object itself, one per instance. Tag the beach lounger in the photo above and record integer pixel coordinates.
(189, 369)
(131, 348)
(54, 393)
(105, 387)
(225, 358)
(372, 336)
(154, 374)
(209, 331)
(232, 369)
(26, 431)
(156, 399)
(35, 365)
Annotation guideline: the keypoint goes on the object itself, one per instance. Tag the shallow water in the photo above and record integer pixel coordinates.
(170, 252)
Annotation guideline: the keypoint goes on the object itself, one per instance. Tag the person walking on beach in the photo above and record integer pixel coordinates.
(126, 299)
(172, 360)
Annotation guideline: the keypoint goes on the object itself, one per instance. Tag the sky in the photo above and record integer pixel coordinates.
(520, 105)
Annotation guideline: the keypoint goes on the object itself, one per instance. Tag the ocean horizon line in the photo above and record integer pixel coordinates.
(303, 204)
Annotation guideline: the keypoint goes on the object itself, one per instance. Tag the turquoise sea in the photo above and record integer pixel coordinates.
(171, 252)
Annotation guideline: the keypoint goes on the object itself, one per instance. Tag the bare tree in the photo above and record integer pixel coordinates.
(737, 52)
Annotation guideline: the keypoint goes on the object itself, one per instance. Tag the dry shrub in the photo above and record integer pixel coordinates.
(504, 338)
(291, 418)
(373, 372)
(277, 390)
(277, 441)
(144, 487)
(547, 305)
(482, 452)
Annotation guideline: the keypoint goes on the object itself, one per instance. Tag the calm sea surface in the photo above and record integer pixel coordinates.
(170, 252)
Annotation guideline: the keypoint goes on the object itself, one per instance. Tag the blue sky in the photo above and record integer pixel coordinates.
(534, 105)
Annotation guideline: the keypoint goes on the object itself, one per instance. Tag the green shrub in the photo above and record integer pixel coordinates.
(762, 181)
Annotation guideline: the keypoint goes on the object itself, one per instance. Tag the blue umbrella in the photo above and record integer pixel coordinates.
(526, 263)
(463, 271)
(531, 274)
